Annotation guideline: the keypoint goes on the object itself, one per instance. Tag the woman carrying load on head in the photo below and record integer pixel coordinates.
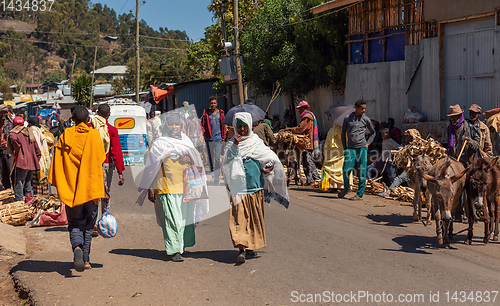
(253, 175)
(163, 182)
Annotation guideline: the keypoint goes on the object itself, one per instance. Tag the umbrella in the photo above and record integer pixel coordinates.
(337, 113)
(256, 112)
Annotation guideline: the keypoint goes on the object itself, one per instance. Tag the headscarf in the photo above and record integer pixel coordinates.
(173, 118)
(251, 146)
(34, 121)
(452, 130)
(268, 122)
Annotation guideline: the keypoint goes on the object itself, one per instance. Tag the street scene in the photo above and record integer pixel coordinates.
(256, 152)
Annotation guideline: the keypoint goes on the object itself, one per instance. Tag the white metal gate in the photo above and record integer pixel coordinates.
(470, 64)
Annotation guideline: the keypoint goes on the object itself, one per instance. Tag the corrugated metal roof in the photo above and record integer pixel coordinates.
(332, 5)
(111, 70)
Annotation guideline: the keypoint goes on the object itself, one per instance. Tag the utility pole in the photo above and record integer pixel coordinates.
(137, 64)
(237, 52)
(93, 76)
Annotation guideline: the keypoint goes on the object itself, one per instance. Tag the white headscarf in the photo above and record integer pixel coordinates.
(251, 146)
(169, 147)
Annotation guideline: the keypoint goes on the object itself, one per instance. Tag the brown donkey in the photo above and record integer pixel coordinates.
(446, 192)
(483, 188)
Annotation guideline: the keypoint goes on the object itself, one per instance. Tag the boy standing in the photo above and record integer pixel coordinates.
(76, 171)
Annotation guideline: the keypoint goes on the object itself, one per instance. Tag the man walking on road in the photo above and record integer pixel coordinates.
(76, 172)
(356, 144)
(214, 132)
(485, 146)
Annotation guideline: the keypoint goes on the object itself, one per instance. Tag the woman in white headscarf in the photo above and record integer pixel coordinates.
(163, 182)
(253, 175)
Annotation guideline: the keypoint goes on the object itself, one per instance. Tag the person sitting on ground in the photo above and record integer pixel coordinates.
(394, 132)
(76, 172)
(384, 164)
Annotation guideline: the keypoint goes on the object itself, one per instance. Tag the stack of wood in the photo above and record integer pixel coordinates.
(405, 157)
(372, 186)
(301, 142)
(16, 213)
(46, 203)
(405, 194)
(6, 196)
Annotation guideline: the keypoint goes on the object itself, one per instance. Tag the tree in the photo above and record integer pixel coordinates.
(281, 44)
(81, 89)
(55, 77)
(200, 61)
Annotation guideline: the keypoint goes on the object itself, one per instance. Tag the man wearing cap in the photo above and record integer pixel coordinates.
(26, 158)
(485, 146)
(355, 142)
(461, 133)
(6, 160)
(308, 127)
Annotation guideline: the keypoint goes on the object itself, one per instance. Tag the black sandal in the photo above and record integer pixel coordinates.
(241, 257)
(177, 258)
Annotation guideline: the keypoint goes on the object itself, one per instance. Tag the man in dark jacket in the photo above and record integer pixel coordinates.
(214, 132)
(6, 160)
(27, 158)
(461, 133)
(356, 142)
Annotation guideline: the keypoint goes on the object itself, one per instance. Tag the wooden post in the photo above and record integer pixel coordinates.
(137, 63)
(237, 52)
(93, 77)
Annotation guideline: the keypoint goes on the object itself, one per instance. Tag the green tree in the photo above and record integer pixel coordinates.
(81, 89)
(56, 76)
(281, 44)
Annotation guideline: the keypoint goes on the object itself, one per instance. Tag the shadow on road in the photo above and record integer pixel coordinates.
(414, 244)
(63, 268)
(391, 220)
(222, 256)
(143, 253)
(56, 229)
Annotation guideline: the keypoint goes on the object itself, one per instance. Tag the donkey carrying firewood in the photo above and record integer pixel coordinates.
(483, 193)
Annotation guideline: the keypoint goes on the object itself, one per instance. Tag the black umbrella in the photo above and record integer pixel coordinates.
(337, 113)
(256, 112)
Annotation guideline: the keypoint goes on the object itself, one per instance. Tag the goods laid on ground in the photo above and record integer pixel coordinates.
(6, 196)
(405, 194)
(404, 158)
(47, 211)
(16, 213)
(371, 187)
(301, 142)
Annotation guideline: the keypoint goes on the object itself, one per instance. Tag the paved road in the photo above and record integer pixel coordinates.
(320, 245)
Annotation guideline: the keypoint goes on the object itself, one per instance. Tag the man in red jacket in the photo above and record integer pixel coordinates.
(114, 158)
(214, 132)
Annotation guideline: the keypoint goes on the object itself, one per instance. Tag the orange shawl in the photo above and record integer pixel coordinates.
(76, 168)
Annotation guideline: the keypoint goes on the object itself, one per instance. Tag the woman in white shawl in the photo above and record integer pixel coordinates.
(40, 184)
(163, 181)
(253, 175)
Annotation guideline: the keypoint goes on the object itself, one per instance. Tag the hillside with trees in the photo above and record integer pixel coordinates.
(65, 40)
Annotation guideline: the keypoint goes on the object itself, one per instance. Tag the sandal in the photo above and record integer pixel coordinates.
(78, 260)
(177, 257)
(251, 253)
(241, 257)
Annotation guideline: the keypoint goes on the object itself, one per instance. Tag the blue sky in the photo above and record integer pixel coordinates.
(191, 16)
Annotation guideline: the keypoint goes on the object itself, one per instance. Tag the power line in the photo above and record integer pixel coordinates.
(162, 38)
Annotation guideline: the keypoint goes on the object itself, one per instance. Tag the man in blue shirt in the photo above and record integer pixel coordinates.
(214, 132)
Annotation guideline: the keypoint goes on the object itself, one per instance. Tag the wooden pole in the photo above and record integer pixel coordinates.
(237, 52)
(462, 151)
(137, 63)
(93, 77)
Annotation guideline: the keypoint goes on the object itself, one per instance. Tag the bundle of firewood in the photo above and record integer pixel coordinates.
(300, 141)
(405, 194)
(404, 158)
(6, 196)
(371, 187)
(45, 203)
(16, 213)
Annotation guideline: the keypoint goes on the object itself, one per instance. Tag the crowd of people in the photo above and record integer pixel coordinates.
(242, 155)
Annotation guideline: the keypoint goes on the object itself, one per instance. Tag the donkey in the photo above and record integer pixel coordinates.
(289, 156)
(446, 191)
(422, 164)
(482, 187)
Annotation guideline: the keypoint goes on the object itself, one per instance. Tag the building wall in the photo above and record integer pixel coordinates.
(197, 94)
(381, 86)
(452, 9)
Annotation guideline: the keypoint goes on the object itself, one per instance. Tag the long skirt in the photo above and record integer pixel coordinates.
(246, 221)
(40, 186)
(175, 218)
